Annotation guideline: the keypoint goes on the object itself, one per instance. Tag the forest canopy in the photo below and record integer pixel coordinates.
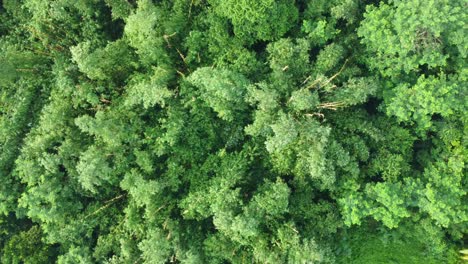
(233, 131)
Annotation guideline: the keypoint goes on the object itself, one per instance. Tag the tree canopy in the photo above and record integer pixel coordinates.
(233, 131)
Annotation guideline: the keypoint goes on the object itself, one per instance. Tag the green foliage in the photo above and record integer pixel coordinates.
(180, 131)
(403, 245)
(93, 169)
(289, 57)
(150, 28)
(75, 255)
(222, 90)
(27, 247)
(405, 35)
(262, 20)
(443, 95)
(155, 249)
(112, 62)
(150, 92)
(120, 8)
(15, 63)
(328, 58)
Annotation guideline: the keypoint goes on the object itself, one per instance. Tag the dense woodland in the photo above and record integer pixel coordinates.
(233, 131)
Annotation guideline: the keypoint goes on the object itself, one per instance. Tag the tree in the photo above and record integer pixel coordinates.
(27, 247)
(262, 20)
(232, 131)
(404, 45)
